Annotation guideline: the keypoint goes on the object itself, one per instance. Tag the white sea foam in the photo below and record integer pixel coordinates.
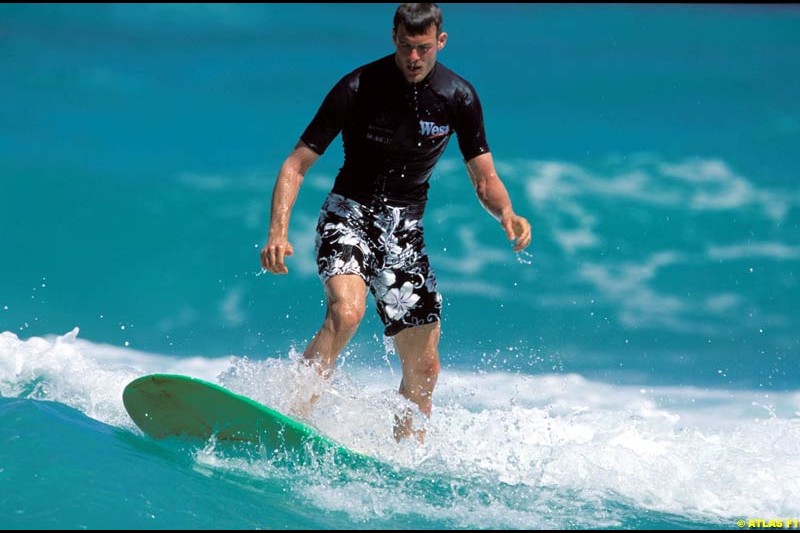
(231, 310)
(87, 376)
(576, 205)
(710, 453)
(769, 250)
(629, 286)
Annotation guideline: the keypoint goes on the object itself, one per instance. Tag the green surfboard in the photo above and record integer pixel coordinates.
(171, 405)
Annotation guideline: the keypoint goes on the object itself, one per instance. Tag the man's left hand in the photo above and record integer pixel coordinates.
(517, 229)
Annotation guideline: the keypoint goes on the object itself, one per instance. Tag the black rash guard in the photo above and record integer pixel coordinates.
(394, 131)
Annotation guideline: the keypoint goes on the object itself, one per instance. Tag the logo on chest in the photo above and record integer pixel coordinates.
(431, 129)
(381, 131)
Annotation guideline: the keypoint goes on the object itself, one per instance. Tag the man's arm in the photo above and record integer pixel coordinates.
(284, 195)
(494, 198)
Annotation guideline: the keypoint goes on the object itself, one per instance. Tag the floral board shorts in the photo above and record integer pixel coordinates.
(384, 245)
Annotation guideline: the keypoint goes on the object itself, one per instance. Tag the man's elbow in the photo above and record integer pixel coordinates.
(484, 183)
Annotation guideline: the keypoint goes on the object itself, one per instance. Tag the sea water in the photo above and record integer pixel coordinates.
(636, 367)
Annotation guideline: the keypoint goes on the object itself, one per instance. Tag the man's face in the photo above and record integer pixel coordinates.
(416, 54)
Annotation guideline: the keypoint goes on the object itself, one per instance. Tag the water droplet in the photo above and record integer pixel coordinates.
(524, 257)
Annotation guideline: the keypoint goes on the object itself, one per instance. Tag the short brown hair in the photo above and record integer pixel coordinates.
(417, 18)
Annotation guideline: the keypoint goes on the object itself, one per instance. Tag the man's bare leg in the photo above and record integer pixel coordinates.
(418, 348)
(346, 297)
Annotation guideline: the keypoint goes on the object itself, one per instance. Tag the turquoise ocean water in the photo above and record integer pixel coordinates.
(638, 369)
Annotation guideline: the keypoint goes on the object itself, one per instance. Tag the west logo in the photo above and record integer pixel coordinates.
(431, 129)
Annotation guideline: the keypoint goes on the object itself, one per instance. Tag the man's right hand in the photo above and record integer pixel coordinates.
(273, 253)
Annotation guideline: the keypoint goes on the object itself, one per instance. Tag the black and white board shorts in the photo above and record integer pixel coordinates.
(383, 245)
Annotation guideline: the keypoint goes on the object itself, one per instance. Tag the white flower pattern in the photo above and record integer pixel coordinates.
(384, 245)
(398, 302)
(382, 282)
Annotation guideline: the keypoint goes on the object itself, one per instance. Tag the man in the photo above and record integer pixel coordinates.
(396, 116)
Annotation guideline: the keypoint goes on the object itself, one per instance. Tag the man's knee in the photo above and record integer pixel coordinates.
(428, 370)
(346, 316)
(423, 369)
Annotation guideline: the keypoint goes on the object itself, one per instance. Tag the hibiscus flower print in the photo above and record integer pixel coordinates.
(398, 302)
(388, 244)
(382, 282)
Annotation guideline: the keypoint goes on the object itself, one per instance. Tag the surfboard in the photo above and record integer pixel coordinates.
(184, 407)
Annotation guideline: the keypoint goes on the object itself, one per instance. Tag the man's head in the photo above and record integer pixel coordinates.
(417, 36)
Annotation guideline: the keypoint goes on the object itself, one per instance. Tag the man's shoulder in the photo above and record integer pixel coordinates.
(352, 79)
(449, 84)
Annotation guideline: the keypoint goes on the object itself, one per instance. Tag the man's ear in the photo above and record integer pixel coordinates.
(441, 41)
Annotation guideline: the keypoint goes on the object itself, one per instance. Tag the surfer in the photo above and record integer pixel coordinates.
(396, 116)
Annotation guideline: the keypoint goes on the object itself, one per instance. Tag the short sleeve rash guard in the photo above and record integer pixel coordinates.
(394, 131)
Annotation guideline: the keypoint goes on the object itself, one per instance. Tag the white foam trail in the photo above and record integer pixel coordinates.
(672, 449)
(714, 454)
(87, 376)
